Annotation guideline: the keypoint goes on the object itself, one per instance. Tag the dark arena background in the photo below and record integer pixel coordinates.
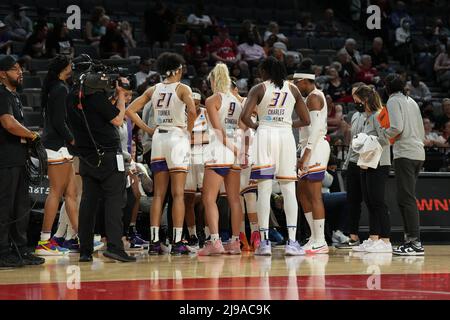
(339, 42)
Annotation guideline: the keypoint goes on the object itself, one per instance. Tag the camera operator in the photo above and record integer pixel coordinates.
(94, 121)
(14, 198)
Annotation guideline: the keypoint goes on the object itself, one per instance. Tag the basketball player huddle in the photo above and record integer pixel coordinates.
(239, 147)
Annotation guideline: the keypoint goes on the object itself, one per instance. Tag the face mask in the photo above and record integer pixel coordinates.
(359, 107)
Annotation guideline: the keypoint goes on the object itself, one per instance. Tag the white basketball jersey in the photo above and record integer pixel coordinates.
(169, 110)
(201, 123)
(277, 105)
(229, 113)
(318, 120)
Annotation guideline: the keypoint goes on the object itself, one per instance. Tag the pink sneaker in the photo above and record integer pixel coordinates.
(255, 239)
(233, 247)
(211, 248)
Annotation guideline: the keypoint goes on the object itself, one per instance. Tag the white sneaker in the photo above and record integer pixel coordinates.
(380, 246)
(363, 246)
(318, 248)
(308, 245)
(339, 237)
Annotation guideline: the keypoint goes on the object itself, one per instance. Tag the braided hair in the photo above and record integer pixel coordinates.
(56, 66)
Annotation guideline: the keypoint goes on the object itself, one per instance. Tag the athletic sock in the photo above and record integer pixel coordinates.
(254, 226)
(215, 237)
(263, 205)
(45, 236)
(207, 233)
(192, 231)
(235, 238)
(154, 234)
(309, 218)
(177, 233)
(319, 226)
(290, 208)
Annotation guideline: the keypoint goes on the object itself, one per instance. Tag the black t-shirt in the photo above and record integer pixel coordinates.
(12, 151)
(99, 112)
(56, 132)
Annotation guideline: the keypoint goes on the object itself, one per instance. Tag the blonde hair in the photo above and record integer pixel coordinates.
(221, 77)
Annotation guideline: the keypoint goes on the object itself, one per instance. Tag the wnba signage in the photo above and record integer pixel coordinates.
(433, 201)
(433, 204)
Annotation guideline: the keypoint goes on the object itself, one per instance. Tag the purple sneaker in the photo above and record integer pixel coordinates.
(73, 245)
(179, 248)
(264, 249)
(293, 248)
(137, 242)
(155, 248)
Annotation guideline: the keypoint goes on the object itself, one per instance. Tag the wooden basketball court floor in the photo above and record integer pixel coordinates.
(340, 275)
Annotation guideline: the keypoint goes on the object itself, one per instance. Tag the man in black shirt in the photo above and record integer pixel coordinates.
(101, 168)
(14, 198)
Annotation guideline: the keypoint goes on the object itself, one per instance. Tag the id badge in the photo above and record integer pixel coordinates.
(120, 163)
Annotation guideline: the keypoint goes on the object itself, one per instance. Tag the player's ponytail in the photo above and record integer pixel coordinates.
(221, 77)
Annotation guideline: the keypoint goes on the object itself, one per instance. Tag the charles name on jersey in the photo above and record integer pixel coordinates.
(276, 112)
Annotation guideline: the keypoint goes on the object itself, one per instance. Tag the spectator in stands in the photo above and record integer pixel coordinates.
(403, 44)
(305, 27)
(223, 49)
(5, 39)
(335, 115)
(95, 28)
(250, 51)
(278, 51)
(159, 24)
(196, 50)
(36, 45)
(350, 49)
(246, 27)
(446, 135)
(349, 67)
(445, 117)
(199, 18)
(292, 62)
(335, 87)
(398, 14)
(379, 56)
(59, 41)
(268, 44)
(442, 68)
(440, 29)
(203, 70)
(328, 27)
(274, 29)
(126, 31)
(43, 17)
(418, 90)
(367, 73)
(425, 48)
(20, 26)
(145, 71)
(432, 138)
(112, 44)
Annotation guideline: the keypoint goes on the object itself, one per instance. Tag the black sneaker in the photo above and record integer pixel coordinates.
(193, 242)
(119, 256)
(179, 248)
(409, 249)
(30, 259)
(10, 260)
(348, 245)
(85, 257)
